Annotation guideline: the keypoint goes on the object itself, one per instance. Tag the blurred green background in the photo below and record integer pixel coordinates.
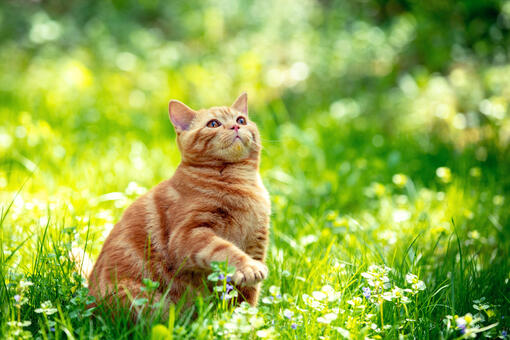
(403, 81)
(381, 120)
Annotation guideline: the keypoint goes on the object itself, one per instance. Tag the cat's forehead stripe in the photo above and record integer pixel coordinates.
(222, 112)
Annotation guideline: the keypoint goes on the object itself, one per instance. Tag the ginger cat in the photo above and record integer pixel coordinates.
(214, 208)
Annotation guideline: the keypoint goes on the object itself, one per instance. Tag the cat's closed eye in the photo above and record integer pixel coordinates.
(213, 123)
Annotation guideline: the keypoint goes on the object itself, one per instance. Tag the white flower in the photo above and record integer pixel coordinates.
(465, 321)
(398, 294)
(356, 303)
(468, 325)
(246, 308)
(415, 283)
(267, 333)
(327, 318)
(343, 332)
(46, 308)
(387, 296)
(25, 284)
(256, 321)
(288, 313)
(19, 324)
(275, 297)
(317, 295)
(134, 188)
(444, 174)
(448, 321)
(410, 278)
(237, 322)
(400, 180)
(377, 277)
(274, 290)
(331, 294)
(312, 302)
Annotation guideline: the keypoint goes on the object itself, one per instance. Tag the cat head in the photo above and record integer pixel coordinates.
(222, 133)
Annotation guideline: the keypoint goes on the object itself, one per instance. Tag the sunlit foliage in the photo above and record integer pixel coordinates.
(386, 133)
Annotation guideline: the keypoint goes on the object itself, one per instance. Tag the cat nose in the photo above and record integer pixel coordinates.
(235, 127)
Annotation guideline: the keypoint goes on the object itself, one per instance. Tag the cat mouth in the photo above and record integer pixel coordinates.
(236, 141)
(237, 138)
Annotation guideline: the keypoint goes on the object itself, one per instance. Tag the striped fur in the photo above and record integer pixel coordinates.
(214, 208)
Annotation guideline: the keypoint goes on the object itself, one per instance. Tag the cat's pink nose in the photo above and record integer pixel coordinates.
(235, 127)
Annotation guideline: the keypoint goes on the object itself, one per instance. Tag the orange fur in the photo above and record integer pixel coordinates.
(214, 208)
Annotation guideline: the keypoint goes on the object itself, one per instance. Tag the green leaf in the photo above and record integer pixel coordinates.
(213, 277)
(140, 301)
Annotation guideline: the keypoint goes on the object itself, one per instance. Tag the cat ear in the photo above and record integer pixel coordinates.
(241, 103)
(181, 115)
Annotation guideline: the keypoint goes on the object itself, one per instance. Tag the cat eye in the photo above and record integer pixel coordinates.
(214, 123)
(241, 120)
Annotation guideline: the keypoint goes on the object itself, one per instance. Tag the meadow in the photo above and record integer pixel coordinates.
(386, 135)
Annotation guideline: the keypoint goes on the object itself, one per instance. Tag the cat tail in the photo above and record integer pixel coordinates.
(83, 263)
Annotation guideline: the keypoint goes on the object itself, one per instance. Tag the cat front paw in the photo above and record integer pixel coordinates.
(250, 273)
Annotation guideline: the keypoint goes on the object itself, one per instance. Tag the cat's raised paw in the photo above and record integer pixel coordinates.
(250, 273)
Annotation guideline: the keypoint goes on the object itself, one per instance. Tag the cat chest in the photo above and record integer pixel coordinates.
(241, 223)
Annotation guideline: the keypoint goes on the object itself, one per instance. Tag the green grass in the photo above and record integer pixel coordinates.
(380, 149)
